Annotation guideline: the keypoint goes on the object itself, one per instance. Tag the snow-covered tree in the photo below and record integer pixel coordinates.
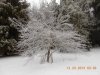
(44, 37)
(39, 39)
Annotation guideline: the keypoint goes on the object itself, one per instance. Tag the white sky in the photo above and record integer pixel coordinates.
(36, 2)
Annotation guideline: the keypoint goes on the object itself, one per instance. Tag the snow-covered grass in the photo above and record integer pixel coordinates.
(32, 66)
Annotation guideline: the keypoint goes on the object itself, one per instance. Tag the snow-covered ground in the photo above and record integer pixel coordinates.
(21, 66)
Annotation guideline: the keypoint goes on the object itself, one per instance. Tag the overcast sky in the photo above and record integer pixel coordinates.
(36, 2)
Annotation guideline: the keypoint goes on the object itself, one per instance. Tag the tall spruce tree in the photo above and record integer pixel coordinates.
(13, 14)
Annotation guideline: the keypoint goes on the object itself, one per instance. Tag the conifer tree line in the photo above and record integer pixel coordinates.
(72, 25)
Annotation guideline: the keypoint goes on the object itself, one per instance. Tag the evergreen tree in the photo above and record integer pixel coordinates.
(95, 32)
(12, 14)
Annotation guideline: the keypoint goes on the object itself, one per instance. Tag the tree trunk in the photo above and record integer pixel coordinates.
(48, 56)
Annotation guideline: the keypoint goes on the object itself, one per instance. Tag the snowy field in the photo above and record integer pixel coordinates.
(21, 66)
